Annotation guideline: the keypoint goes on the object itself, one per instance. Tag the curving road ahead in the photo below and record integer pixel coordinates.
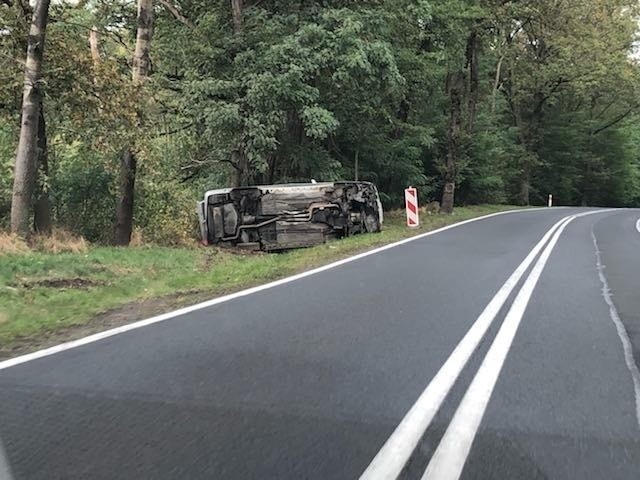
(503, 348)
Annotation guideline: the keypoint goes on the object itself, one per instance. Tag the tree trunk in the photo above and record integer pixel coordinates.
(525, 183)
(527, 126)
(141, 70)
(496, 85)
(530, 126)
(402, 115)
(454, 86)
(473, 48)
(357, 165)
(237, 7)
(273, 165)
(528, 136)
(42, 208)
(587, 180)
(124, 208)
(93, 45)
(267, 177)
(141, 56)
(241, 174)
(27, 154)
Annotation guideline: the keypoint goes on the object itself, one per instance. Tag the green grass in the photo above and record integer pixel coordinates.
(35, 300)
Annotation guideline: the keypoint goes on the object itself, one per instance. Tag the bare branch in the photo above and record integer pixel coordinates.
(174, 131)
(231, 162)
(605, 109)
(496, 84)
(615, 120)
(113, 34)
(176, 13)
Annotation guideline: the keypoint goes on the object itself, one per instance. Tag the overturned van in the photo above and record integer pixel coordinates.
(279, 217)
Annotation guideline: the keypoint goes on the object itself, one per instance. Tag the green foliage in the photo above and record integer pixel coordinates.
(166, 213)
(7, 134)
(311, 89)
(280, 87)
(82, 192)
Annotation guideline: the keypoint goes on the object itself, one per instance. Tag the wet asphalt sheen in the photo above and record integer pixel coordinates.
(308, 379)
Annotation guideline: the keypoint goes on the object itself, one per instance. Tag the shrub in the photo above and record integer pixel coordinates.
(165, 213)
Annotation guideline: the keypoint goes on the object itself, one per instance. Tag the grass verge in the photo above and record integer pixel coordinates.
(47, 298)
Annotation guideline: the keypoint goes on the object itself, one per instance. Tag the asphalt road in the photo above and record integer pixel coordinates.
(309, 379)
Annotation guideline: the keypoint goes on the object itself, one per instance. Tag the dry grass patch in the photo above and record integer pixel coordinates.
(60, 241)
(136, 238)
(12, 244)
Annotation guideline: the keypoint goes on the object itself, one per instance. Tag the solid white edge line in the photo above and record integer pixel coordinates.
(395, 453)
(449, 458)
(166, 316)
(627, 347)
(638, 225)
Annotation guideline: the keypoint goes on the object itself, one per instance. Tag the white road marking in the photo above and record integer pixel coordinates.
(449, 458)
(638, 225)
(393, 456)
(5, 470)
(166, 316)
(622, 331)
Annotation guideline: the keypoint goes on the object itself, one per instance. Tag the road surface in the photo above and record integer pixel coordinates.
(499, 349)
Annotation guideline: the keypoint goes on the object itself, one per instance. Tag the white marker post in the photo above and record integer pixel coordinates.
(550, 204)
(411, 203)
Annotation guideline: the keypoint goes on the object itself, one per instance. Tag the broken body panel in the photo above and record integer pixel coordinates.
(279, 217)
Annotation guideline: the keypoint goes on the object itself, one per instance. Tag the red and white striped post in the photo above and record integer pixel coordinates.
(411, 203)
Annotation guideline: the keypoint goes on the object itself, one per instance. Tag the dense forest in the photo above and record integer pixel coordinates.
(116, 115)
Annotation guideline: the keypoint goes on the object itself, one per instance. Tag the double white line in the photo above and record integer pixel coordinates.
(451, 454)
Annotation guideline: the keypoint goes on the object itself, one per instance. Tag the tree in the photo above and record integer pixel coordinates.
(469, 100)
(27, 154)
(555, 48)
(42, 207)
(237, 7)
(128, 161)
(462, 88)
(462, 21)
(455, 85)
